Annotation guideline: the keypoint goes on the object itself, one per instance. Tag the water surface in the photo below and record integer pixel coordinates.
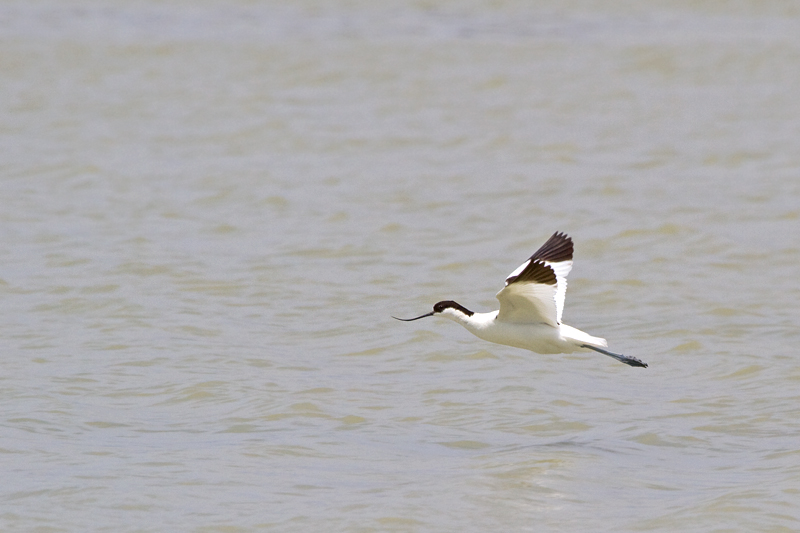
(210, 211)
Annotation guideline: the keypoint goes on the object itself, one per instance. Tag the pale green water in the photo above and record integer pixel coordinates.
(209, 212)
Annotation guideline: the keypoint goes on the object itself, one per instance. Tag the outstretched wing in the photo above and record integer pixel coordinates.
(535, 291)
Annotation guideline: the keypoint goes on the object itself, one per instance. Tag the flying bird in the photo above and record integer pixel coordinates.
(531, 304)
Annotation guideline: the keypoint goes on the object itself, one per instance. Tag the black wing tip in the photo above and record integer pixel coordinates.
(559, 247)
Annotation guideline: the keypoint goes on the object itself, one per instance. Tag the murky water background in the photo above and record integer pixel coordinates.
(208, 212)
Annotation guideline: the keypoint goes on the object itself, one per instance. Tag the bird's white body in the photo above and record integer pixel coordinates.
(536, 337)
(531, 304)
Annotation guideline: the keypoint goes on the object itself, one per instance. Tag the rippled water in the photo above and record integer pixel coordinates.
(210, 211)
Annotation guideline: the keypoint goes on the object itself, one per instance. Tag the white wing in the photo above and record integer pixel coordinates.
(535, 291)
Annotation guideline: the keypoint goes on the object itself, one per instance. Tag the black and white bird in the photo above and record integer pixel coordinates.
(531, 304)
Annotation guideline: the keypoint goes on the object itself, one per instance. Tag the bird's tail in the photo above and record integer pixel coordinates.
(584, 340)
(580, 337)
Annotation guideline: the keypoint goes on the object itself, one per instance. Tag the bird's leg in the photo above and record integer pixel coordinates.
(632, 361)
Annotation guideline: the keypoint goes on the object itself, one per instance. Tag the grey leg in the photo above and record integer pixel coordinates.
(632, 361)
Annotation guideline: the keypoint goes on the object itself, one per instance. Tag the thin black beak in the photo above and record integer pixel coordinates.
(410, 319)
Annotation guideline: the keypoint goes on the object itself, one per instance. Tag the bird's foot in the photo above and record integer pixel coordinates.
(628, 360)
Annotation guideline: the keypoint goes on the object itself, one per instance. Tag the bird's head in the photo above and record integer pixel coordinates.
(446, 308)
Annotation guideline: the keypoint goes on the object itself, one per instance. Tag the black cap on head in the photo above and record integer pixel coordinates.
(444, 304)
(438, 308)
